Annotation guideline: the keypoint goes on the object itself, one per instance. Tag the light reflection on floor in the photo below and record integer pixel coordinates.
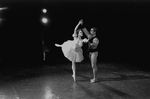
(49, 94)
(56, 83)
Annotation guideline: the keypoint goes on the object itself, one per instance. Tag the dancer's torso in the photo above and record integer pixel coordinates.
(92, 48)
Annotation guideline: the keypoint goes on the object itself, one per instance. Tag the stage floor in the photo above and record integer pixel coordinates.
(55, 82)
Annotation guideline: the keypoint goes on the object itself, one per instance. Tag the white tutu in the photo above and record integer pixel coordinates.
(72, 51)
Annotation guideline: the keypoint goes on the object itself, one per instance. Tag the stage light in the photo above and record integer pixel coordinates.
(44, 20)
(3, 8)
(44, 10)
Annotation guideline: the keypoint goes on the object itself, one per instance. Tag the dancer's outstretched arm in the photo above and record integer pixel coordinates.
(75, 29)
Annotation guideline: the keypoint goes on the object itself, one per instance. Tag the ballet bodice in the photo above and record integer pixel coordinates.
(79, 42)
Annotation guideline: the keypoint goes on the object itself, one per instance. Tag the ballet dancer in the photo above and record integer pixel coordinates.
(72, 49)
(93, 42)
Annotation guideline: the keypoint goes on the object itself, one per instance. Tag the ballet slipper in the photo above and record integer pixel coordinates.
(94, 80)
(58, 45)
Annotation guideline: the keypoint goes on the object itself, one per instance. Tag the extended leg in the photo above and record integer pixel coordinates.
(58, 45)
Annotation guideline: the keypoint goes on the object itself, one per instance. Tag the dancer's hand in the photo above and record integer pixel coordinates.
(85, 40)
(81, 21)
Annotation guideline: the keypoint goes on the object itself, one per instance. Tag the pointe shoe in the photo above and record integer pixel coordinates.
(74, 78)
(94, 80)
(58, 45)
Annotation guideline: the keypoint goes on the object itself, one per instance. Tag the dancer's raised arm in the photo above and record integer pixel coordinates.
(86, 33)
(79, 23)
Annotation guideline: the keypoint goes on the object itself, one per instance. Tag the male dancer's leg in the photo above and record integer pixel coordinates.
(94, 56)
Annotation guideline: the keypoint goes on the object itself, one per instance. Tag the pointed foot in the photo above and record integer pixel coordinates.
(94, 80)
(58, 45)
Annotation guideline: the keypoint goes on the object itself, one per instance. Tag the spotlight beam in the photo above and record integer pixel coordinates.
(3, 8)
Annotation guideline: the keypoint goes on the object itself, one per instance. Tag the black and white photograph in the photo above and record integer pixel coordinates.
(74, 49)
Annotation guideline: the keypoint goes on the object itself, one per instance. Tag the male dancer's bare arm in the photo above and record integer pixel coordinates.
(86, 33)
(95, 42)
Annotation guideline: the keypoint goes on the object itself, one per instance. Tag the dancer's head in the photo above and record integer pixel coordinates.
(93, 31)
(80, 33)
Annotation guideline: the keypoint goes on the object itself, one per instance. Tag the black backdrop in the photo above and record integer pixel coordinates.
(122, 28)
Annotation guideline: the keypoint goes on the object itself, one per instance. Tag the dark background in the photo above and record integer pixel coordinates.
(123, 28)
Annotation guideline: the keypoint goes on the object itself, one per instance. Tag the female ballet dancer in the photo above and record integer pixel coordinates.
(72, 48)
